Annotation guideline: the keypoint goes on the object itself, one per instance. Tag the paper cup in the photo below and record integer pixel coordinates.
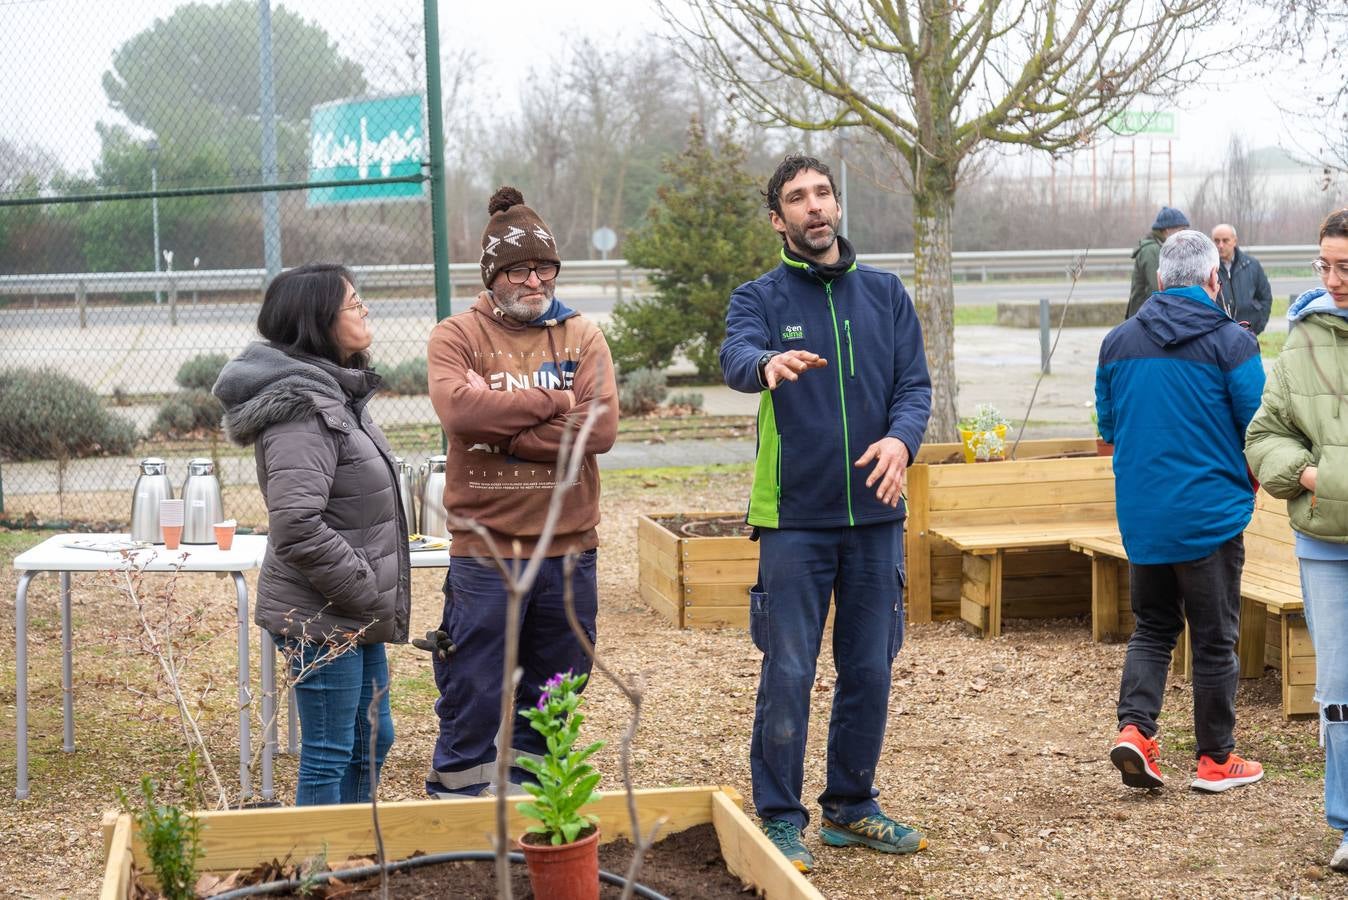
(224, 534)
(173, 535)
(170, 512)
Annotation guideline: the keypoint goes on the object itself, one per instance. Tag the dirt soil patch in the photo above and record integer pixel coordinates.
(706, 526)
(683, 866)
(997, 749)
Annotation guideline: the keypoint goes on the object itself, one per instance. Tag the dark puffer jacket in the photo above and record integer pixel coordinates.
(337, 558)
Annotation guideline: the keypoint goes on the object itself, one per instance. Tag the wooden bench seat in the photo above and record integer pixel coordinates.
(1270, 592)
(983, 551)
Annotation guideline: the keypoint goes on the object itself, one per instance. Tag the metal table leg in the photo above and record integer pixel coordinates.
(267, 653)
(245, 698)
(67, 670)
(21, 682)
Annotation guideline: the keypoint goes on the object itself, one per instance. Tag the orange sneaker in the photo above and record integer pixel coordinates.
(1138, 758)
(1234, 772)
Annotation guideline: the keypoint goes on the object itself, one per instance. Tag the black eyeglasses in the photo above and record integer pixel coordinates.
(544, 271)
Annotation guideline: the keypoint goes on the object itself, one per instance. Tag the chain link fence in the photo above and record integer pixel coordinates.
(129, 277)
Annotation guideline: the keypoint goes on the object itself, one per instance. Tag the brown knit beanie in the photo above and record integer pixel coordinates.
(514, 234)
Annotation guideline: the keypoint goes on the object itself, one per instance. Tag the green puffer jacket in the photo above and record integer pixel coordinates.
(1303, 421)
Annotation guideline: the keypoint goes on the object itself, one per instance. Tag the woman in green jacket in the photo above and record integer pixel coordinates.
(1297, 446)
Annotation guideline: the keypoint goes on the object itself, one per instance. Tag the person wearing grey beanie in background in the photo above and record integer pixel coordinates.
(1147, 256)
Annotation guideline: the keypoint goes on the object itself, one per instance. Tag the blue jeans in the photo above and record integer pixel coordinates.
(1324, 588)
(470, 681)
(862, 567)
(332, 698)
(1206, 594)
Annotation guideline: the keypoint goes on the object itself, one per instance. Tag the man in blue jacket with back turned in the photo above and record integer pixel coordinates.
(1176, 387)
(836, 351)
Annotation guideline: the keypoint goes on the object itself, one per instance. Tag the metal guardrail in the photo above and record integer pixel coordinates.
(980, 264)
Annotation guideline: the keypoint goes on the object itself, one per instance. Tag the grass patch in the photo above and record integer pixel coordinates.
(1271, 343)
(975, 315)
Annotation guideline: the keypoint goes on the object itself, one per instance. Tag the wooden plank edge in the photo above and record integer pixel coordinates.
(239, 839)
(750, 856)
(118, 851)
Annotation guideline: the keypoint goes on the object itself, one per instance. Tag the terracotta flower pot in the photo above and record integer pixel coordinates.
(564, 871)
(1103, 449)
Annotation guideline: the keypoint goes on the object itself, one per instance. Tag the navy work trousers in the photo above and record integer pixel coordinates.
(862, 568)
(470, 681)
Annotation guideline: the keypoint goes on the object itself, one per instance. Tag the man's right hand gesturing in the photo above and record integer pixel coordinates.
(788, 365)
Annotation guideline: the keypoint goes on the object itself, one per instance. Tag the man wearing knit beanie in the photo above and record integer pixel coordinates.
(509, 378)
(1147, 257)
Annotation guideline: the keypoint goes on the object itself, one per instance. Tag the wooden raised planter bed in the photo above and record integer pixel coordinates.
(703, 582)
(241, 839)
(696, 582)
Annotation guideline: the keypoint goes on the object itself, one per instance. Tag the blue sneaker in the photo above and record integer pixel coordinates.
(786, 838)
(879, 832)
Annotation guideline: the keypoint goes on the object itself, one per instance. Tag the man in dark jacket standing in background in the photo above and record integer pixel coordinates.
(1176, 386)
(834, 441)
(1244, 284)
(1145, 258)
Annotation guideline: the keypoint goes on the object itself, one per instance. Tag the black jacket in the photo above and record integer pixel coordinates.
(1248, 290)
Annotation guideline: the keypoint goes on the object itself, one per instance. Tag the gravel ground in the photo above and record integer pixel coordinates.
(997, 749)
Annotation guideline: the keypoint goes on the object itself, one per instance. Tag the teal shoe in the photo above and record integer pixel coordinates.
(786, 838)
(879, 832)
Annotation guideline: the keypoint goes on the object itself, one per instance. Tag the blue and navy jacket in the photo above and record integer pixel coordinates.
(812, 431)
(1175, 388)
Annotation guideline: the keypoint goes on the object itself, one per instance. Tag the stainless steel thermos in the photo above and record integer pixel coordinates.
(434, 520)
(405, 476)
(152, 485)
(202, 505)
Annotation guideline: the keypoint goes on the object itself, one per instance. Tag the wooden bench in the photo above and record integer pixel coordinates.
(1270, 593)
(984, 549)
(1112, 613)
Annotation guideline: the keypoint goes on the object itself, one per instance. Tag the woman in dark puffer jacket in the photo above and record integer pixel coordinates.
(334, 587)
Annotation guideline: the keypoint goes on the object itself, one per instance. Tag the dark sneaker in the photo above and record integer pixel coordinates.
(1138, 758)
(786, 838)
(879, 832)
(1234, 772)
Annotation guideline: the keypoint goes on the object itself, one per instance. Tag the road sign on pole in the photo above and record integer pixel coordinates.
(604, 240)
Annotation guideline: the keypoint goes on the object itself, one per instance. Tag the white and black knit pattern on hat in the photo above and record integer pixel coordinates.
(514, 234)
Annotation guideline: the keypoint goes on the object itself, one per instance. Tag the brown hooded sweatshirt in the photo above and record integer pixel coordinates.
(503, 442)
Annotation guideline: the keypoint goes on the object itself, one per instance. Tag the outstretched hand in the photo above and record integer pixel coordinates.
(788, 365)
(891, 468)
(437, 643)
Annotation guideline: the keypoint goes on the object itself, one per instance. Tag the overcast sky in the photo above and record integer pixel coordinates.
(57, 51)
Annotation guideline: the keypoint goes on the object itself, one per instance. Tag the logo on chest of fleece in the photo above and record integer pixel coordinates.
(550, 375)
(793, 332)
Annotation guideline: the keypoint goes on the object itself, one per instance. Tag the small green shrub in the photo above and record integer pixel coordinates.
(641, 391)
(172, 835)
(45, 414)
(407, 377)
(188, 412)
(200, 372)
(692, 401)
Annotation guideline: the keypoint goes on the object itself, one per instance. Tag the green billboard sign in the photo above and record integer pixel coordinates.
(376, 137)
(1135, 122)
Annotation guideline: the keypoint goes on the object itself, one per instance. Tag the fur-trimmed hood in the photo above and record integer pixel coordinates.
(264, 385)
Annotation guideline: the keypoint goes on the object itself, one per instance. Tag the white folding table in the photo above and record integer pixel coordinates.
(55, 555)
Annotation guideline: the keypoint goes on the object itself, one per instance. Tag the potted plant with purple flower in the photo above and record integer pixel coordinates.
(562, 850)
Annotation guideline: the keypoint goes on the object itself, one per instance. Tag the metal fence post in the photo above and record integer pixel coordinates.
(435, 133)
(1044, 342)
(618, 285)
(82, 303)
(173, 302)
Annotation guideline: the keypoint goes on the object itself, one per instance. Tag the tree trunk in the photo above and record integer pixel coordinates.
(933, 211)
